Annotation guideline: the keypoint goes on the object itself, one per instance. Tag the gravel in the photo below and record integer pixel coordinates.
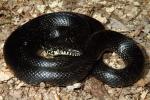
(130, 17)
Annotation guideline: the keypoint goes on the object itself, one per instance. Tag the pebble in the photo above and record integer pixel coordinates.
(100, 18)
(41, 8)
(74, 86)
(126, 10)
(1, 98)
(5, 74)
(19, 85)
(143, 94)
(117, 25)
(110, 9)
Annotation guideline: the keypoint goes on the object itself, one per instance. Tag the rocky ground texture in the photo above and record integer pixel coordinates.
(130, 17)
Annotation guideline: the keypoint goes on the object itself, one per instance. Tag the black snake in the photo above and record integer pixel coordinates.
(75, 44)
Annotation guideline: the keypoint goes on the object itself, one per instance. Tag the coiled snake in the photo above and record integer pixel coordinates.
(74, 43)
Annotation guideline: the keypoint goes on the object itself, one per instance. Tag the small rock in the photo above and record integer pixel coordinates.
(141, 82)
(41, 8)
(42, 84)
(20, 85)
(16, 93)
(136, 3)
(1, 98)
(100, 18)
(74, 86)
(117, 25)
(110, 9)
(20, 10)
(56, 96)
(143, 94)
(94, 86)
(146, 28)
(38, 97)
(5, 74)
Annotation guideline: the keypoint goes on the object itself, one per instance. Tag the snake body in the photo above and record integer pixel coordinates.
(74, 42)
(126, 48)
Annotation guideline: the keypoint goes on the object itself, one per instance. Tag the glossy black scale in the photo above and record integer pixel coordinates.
(55, 31)
(111, 41)
(82, 38)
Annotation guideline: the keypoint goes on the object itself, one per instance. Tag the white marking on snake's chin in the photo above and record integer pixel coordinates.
(69, 52)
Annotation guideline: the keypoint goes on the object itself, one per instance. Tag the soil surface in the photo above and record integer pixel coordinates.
(130, 17)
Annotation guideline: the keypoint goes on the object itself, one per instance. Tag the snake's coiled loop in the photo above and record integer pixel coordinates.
(74, 42)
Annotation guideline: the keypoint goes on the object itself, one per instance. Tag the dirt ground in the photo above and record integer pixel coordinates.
(130, 17)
